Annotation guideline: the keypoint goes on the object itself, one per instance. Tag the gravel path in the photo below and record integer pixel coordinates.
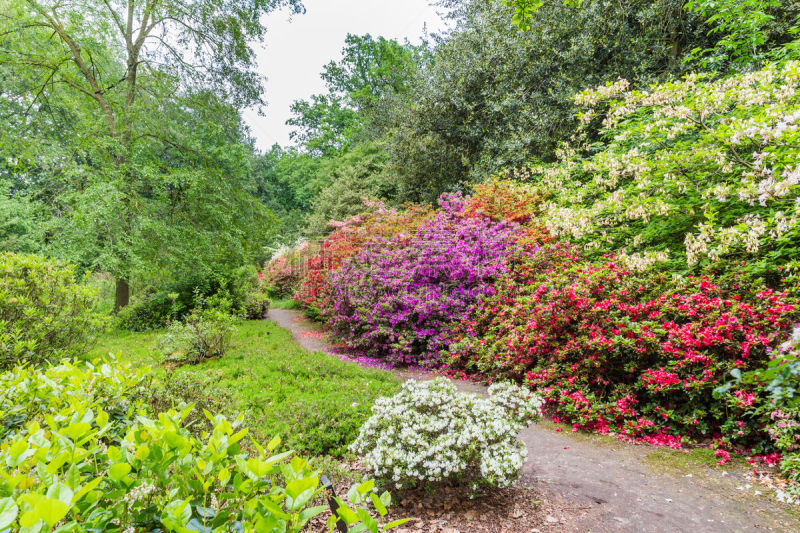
(607, 485)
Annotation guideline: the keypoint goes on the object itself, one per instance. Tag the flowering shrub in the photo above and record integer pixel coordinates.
(429, 433)
(397, 297)
(285, 271)
(613, 351)
(349, 237)
(78, 453)
(775, 404)
(691, 173)
(504, 199)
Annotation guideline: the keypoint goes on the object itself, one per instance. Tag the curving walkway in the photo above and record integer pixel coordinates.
(608, 485)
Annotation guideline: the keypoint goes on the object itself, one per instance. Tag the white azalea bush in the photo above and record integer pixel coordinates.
(430, 433)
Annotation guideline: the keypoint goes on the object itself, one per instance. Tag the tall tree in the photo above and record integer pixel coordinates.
(362, 87)
(146, 69)
(495, 97)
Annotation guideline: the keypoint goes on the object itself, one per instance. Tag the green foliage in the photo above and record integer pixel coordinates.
(494, 97)
(746, 31)
(257, 303)
(370, 76)
(83, 461)
(44, 314)
(525, 10)
(139, 153)
(701, 173)
(21, 222)
(361, 173)
(315, 402)
(155, 308)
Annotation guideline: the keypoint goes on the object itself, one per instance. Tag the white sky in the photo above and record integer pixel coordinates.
(294, 52)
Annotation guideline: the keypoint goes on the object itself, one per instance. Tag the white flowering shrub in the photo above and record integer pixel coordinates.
(430, 433)
(689, 174)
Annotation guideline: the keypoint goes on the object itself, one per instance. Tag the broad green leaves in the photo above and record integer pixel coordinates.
(160, 475)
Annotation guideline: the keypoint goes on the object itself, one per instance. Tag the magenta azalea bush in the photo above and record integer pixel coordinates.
(397, 298)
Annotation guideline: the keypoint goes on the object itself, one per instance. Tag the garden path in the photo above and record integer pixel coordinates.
(603, 484)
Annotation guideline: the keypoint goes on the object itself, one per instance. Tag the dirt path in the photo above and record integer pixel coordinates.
(603, 484)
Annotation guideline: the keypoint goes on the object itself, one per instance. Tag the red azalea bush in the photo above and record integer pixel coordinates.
(613, 351)
(348, 238)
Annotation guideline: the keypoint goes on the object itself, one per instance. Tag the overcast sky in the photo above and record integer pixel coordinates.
(295, 50)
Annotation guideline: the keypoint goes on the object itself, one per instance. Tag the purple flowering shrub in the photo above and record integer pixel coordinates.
(398, 298)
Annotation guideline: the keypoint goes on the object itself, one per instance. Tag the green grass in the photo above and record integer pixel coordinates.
(315, 402)
(284, 303)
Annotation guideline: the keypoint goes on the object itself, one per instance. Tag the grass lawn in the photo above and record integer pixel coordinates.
(315, 402)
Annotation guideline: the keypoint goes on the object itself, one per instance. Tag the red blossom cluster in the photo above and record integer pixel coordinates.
(636, 355)
(349, 237)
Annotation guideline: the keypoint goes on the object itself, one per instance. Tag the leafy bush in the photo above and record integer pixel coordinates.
(257, 302)
(204, 334)
(429, 433)
(397, 297)
(614, 351)
(257, 305)
(78, 467)
(44, 314)
(157, 307)
(771, 397)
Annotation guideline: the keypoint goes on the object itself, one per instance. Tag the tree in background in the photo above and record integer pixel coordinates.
(362, 86)
(341, 158)
(151, 90)
(494, 97)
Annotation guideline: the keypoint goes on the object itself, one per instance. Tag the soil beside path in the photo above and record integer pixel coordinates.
(601, 484)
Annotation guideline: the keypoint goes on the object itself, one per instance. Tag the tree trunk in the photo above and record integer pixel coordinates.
(122, 294)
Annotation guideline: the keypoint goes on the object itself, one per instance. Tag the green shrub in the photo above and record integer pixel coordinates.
(76, 466)
(44, 314)
(204, 334)
(151, 311)
(157, 307)
(257, 301)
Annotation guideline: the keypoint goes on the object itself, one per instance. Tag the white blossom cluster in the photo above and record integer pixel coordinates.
(429, 432)
(716, 155)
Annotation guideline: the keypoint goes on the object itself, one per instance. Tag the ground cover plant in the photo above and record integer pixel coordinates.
(80, 453)
(315, 402)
